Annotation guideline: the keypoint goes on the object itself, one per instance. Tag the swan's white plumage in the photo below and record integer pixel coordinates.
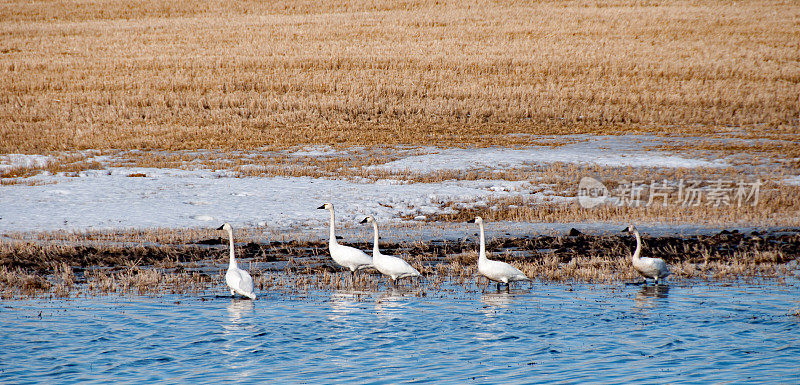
(349, 257)
(392, 266)
(238, 280)
(648, 267)
(346, 256)
(496, 270)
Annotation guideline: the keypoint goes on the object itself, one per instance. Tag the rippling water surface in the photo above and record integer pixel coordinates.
(550, 333)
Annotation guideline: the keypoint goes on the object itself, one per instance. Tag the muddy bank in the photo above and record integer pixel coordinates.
(776, 247)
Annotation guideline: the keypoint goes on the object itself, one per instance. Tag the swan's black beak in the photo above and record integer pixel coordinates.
(321, 207)
(363, 220)
(471, 221)
(625, 230)
(221, 227)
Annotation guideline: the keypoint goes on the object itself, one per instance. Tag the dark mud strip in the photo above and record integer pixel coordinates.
(775, 247)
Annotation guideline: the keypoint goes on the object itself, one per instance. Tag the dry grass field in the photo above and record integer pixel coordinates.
(184, 74)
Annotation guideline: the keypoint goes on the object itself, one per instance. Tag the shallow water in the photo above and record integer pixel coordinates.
(688, 333)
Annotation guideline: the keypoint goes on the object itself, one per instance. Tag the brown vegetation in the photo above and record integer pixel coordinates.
(31, 270)
(69, 163)
(172, 74)
(778, 208)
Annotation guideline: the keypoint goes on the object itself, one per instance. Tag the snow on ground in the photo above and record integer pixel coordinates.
(9, 161)
(315, 151)
(110, 199)
(792, 181)
(611, 151)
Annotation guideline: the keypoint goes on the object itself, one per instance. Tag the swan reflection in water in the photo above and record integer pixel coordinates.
(238, 309)
(240, 312)
(345, 303)
(490, 329)
(649, 296)
(238, 341)
(497, 299)
(392, 299)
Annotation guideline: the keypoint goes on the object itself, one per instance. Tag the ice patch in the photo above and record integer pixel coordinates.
(388, 182)
(792, 181)
(315, 151)
(190, 198)
(614, 151)
(252, 167)
(9, 161)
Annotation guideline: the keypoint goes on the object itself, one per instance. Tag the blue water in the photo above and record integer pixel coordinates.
(550, 333)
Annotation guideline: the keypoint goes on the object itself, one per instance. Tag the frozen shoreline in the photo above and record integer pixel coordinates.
(112, 198)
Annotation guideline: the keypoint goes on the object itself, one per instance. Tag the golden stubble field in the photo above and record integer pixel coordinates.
(173, 74)
(215, 76)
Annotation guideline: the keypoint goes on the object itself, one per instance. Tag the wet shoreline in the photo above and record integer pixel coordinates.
(579, 257)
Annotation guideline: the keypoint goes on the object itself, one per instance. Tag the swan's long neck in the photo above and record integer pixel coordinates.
(232, 263)
(638, 245)
(375, 241)
(333, 236)
(482, 255)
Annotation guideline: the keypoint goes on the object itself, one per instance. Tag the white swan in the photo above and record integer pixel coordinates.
(237, 279)
(346, 256)
(496, 270)
(648, 267)
(394, 267)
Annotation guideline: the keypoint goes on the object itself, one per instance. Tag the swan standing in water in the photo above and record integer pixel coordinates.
(648, 267)
(346, 256)
(394, 267)
(237, 279)
(496, 270)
